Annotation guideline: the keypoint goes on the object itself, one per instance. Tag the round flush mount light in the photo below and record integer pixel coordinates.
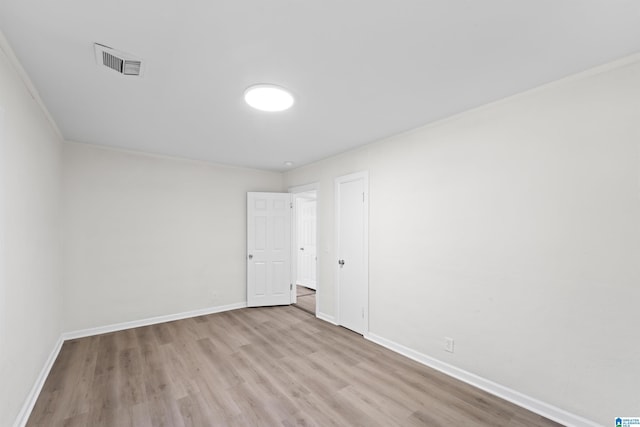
(268, 97)
(288, 163)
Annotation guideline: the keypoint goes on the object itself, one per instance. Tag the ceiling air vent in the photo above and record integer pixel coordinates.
(118, 61)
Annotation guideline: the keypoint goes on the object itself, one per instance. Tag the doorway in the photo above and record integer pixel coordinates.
(352, 250)
(305, 247)
(305, 299)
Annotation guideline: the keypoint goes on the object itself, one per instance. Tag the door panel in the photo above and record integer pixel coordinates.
(268, 249)
(260, 236)
(260, 269)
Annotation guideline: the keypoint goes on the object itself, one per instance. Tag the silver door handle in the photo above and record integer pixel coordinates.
(302, 249)
(341, 262)
(250, 256)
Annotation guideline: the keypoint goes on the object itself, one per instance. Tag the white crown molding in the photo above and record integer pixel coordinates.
(6, 48)
(534, 405)
(599, 69)
(571, 78)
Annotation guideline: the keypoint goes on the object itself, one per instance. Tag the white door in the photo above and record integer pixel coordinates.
(306, 239)
(268, 249)
(351, 194)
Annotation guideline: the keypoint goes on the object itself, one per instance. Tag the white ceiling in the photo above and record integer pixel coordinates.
(360, 69)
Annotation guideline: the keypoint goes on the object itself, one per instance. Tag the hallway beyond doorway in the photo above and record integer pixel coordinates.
(306, 299)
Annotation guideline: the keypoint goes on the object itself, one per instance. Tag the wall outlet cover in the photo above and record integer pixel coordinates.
(448, 344)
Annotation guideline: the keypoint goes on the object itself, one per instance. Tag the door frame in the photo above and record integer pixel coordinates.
(315, 186)
(364, 175)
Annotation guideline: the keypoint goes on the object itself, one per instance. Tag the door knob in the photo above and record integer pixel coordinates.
(250, 256)
(341, 262)
(302, 249)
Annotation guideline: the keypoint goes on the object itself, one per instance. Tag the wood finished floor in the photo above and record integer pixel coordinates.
(276, 366)
(306, 299)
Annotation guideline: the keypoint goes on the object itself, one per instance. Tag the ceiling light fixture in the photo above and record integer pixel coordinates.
(288, 163)
(268, 97)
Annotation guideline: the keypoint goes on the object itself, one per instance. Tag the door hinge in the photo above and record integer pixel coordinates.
(362, 197)
(363, 312)
(290, 286)
(291, 205)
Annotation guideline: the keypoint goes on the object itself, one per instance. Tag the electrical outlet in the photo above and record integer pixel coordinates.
(448, 344)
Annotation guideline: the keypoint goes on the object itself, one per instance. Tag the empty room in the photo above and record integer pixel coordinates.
(296, 213)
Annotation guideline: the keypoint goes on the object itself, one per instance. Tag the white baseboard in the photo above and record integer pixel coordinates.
(541, 408)
(32, 397)
(150, 321)
(326, 318)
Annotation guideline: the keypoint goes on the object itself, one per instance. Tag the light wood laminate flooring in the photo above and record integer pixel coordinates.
(276, 366)
(306, 299)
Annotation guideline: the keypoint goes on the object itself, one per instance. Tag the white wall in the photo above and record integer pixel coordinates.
(147, 235)
(514, 229)
(30, 285)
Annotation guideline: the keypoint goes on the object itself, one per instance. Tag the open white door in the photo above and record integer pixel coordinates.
(306, 239)
(268, 249)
